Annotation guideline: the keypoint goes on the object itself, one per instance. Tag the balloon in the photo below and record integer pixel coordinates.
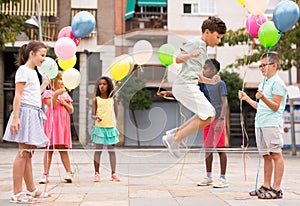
(77, 41)
(142, 52)
(256, 7)
(253, 24)
(83, 24)
(165, 54)
(242, 2)
(285, 15)
(67, 63)
(71, 78)
(65, 48)
(268, 35)
(49, 68)
(67, 32)
(120, 67)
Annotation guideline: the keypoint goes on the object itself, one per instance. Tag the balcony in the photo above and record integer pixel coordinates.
(147, 21)
(49, 30)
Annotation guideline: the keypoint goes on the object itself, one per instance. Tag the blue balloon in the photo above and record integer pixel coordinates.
(83, 24)
(285, 15)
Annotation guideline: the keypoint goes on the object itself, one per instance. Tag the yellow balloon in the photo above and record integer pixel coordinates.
(242, 2)
(67, 63)
(119, 68)
(71, 78)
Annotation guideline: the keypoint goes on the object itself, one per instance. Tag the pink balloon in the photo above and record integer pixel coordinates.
(253, 24)
(65, 32)
(65, 48)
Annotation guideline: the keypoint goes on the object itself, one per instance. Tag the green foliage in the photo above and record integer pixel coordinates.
(233, 84)
(133, 93)
(288, 47)
(10, 27)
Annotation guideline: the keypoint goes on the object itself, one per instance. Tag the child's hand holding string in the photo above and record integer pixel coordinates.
(259, 94)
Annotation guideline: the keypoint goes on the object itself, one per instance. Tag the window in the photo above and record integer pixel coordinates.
(199, 7)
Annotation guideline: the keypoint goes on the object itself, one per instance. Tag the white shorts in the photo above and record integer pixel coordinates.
(269, 139)
(193, 99)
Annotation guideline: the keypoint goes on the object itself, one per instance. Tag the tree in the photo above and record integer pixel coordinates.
(133, 94)
(288, 47)
(10, 27)
(233, 84)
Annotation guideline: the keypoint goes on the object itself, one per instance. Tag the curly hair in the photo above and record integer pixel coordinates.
(110, 86)
(214, 24)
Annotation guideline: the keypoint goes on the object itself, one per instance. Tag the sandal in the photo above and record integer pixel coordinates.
(271, 194)
(21, 198)
(258, 191)
(35, 194)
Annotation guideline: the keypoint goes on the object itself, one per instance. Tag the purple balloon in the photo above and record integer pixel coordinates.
(253, 24)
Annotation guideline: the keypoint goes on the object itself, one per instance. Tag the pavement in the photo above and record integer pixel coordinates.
(152, 177)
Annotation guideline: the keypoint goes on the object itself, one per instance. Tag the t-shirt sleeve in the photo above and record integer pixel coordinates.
(189, 47)
(21, 75)
(223, 89)
(46, 95)
(279, 89)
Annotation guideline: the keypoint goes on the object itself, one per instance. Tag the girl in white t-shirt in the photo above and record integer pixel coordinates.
(25, 125)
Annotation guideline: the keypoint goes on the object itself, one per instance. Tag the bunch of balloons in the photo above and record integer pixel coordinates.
(142, 53)
(285, 16)
(68, 40)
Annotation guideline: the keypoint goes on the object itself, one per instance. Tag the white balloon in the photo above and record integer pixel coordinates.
(256, 7)
(142, 52)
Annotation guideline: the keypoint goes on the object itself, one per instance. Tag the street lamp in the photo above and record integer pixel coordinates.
(34, 23)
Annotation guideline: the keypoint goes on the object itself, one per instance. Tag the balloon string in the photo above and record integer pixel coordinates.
(163, 80)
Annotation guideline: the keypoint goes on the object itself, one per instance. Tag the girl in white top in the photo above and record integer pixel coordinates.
(25, 125)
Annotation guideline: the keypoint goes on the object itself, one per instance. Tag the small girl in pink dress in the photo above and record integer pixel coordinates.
(57, 126)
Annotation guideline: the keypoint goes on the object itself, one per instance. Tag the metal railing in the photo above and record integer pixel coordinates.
(147, 20)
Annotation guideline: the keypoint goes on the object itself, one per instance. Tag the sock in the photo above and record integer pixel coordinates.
(209, 175)
(223, 177)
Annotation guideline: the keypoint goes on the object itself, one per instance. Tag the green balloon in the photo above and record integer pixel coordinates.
(49, 68)
(268, 35)
(165, 54)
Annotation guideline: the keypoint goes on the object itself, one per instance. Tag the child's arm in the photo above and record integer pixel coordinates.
(205, 80)
(46, 82)
(55, 96)
(116, 107)
(94, 109)
(245, 97)
(67, 105)
(272, 104)
(184, 56)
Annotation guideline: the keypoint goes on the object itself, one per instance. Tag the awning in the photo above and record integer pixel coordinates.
(129, 9)
(162, 3)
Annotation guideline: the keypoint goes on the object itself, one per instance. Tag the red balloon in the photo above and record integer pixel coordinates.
(66, 32)
(77, 41)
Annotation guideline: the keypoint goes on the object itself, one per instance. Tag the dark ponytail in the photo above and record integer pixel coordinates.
(25, 50)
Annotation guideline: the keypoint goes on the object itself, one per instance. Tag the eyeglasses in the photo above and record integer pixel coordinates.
(264, 65)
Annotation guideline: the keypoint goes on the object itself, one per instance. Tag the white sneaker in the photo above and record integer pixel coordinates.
(220, 183)
(44, 179)
(69, 177)
(172, 131)
(205, 182)
(173, 147)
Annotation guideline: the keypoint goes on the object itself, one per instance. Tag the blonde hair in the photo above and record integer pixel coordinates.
(54, 81)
